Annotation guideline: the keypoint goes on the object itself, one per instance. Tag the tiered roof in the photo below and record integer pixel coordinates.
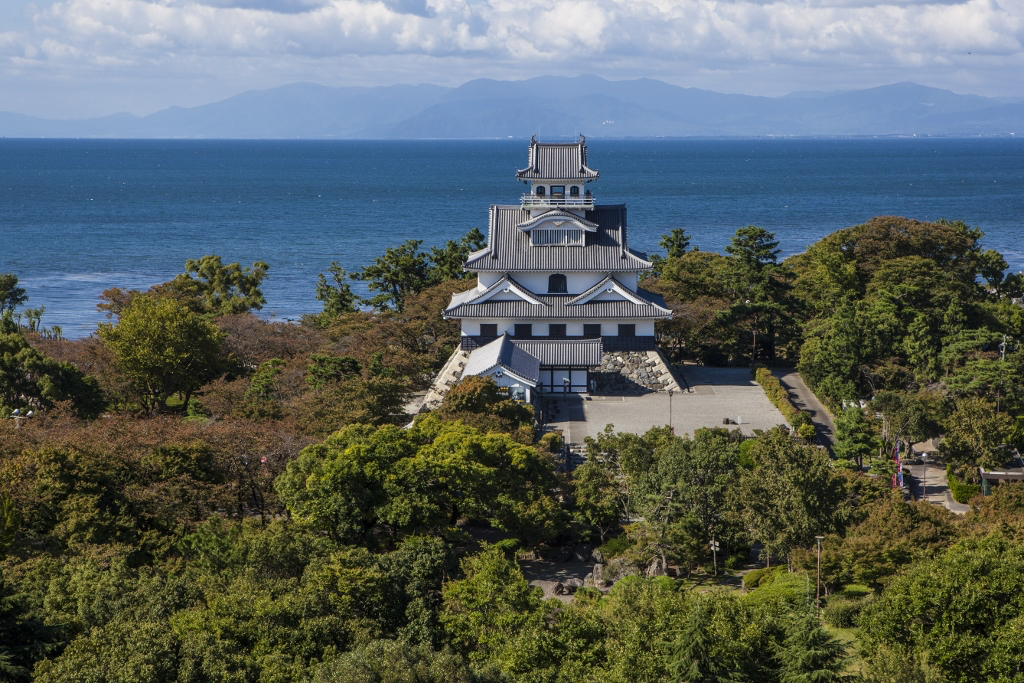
(605, 249)
(503, 353)
(557, 161)
(479, 304)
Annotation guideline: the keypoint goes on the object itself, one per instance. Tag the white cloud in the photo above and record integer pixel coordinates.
(452, 40)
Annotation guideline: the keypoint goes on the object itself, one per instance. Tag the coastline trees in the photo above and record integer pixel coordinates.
(164, 348)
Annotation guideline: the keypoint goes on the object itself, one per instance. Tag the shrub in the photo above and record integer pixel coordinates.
(842, 612)
(760, 577)
(779, 397)
(551, 442)
(961, 490)
(614, 547)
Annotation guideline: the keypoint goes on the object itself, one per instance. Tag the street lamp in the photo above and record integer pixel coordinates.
(565, 385)
(817, 596)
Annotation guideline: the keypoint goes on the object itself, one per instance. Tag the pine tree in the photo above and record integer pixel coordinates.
(809, 654)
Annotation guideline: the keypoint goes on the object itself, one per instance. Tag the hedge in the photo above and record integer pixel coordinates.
(961, 490)
(777, 394)
(842, 612)
(760, 577)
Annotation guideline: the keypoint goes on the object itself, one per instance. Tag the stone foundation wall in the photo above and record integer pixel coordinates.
(633, 372)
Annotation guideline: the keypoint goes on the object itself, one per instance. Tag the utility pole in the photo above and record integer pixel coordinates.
(817, 595)
(714, 553)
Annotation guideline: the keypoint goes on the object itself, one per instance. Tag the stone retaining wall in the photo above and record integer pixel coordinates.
(633, 372)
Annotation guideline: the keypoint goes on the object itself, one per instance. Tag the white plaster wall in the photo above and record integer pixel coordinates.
(609, 328)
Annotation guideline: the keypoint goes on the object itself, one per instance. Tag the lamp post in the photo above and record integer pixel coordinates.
(670, 392)
(817, 595)
(565, 385)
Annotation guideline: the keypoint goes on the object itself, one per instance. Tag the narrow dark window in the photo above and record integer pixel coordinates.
(488, 330)
(627, 330)
(557, 284)
(592, 330)
(556, 330)
(524, 330)
(540, 190)
(574, 191)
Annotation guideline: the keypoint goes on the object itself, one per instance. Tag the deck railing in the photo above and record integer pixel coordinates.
(584, 202)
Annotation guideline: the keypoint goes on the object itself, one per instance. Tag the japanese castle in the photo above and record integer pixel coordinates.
(557, 307)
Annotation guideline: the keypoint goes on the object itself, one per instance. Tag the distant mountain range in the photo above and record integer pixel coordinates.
(549, 106)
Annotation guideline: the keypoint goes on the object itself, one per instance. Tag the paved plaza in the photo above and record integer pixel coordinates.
(716, 393)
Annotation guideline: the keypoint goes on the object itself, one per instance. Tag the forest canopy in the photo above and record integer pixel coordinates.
(202, 494)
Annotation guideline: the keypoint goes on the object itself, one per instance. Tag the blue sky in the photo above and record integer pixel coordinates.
(73, 58)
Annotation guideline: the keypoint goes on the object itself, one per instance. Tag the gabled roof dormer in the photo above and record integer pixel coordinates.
(558, 220)
(505, 289)
(609, 289)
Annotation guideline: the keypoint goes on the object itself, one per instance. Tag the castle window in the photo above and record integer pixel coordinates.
(557, 284)
(558, 237)
(592, 330)
(627, 330)
(556, 330)
(488, 330)
(540, 191)
(524, 331)
(574, 191)
(558, 190)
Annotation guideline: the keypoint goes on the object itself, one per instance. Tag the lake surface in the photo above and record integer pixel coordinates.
(78, 216)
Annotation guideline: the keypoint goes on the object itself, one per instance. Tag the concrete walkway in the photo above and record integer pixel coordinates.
(928, 482)
(804, 399)
(716, 394)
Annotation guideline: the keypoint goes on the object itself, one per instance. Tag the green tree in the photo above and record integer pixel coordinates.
(976, 435)
(854, 440)
(760, 284)
(338, 298)
(447, 261)
(29, 380)
(416, 480)
(402, 271)
(258, 402)
(961, 610)
(791, 495)
(164, 348)
(675, 243)
(389, 661)
(699, 655)
(484, 611)
(809, 654)
(596, 497)
(11, 294)
(220, 289)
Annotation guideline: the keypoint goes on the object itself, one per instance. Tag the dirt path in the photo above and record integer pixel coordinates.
(804, 399)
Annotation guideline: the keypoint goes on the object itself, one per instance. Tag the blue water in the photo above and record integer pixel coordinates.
(78, 216)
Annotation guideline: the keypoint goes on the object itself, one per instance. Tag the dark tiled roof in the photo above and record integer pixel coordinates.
(563, 352)
(558, 307)
(557, 161)
(606, 250)
(502, 352)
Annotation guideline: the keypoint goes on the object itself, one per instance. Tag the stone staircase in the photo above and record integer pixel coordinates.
(449, 375)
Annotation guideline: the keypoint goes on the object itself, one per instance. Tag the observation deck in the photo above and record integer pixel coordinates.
(535, 201)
